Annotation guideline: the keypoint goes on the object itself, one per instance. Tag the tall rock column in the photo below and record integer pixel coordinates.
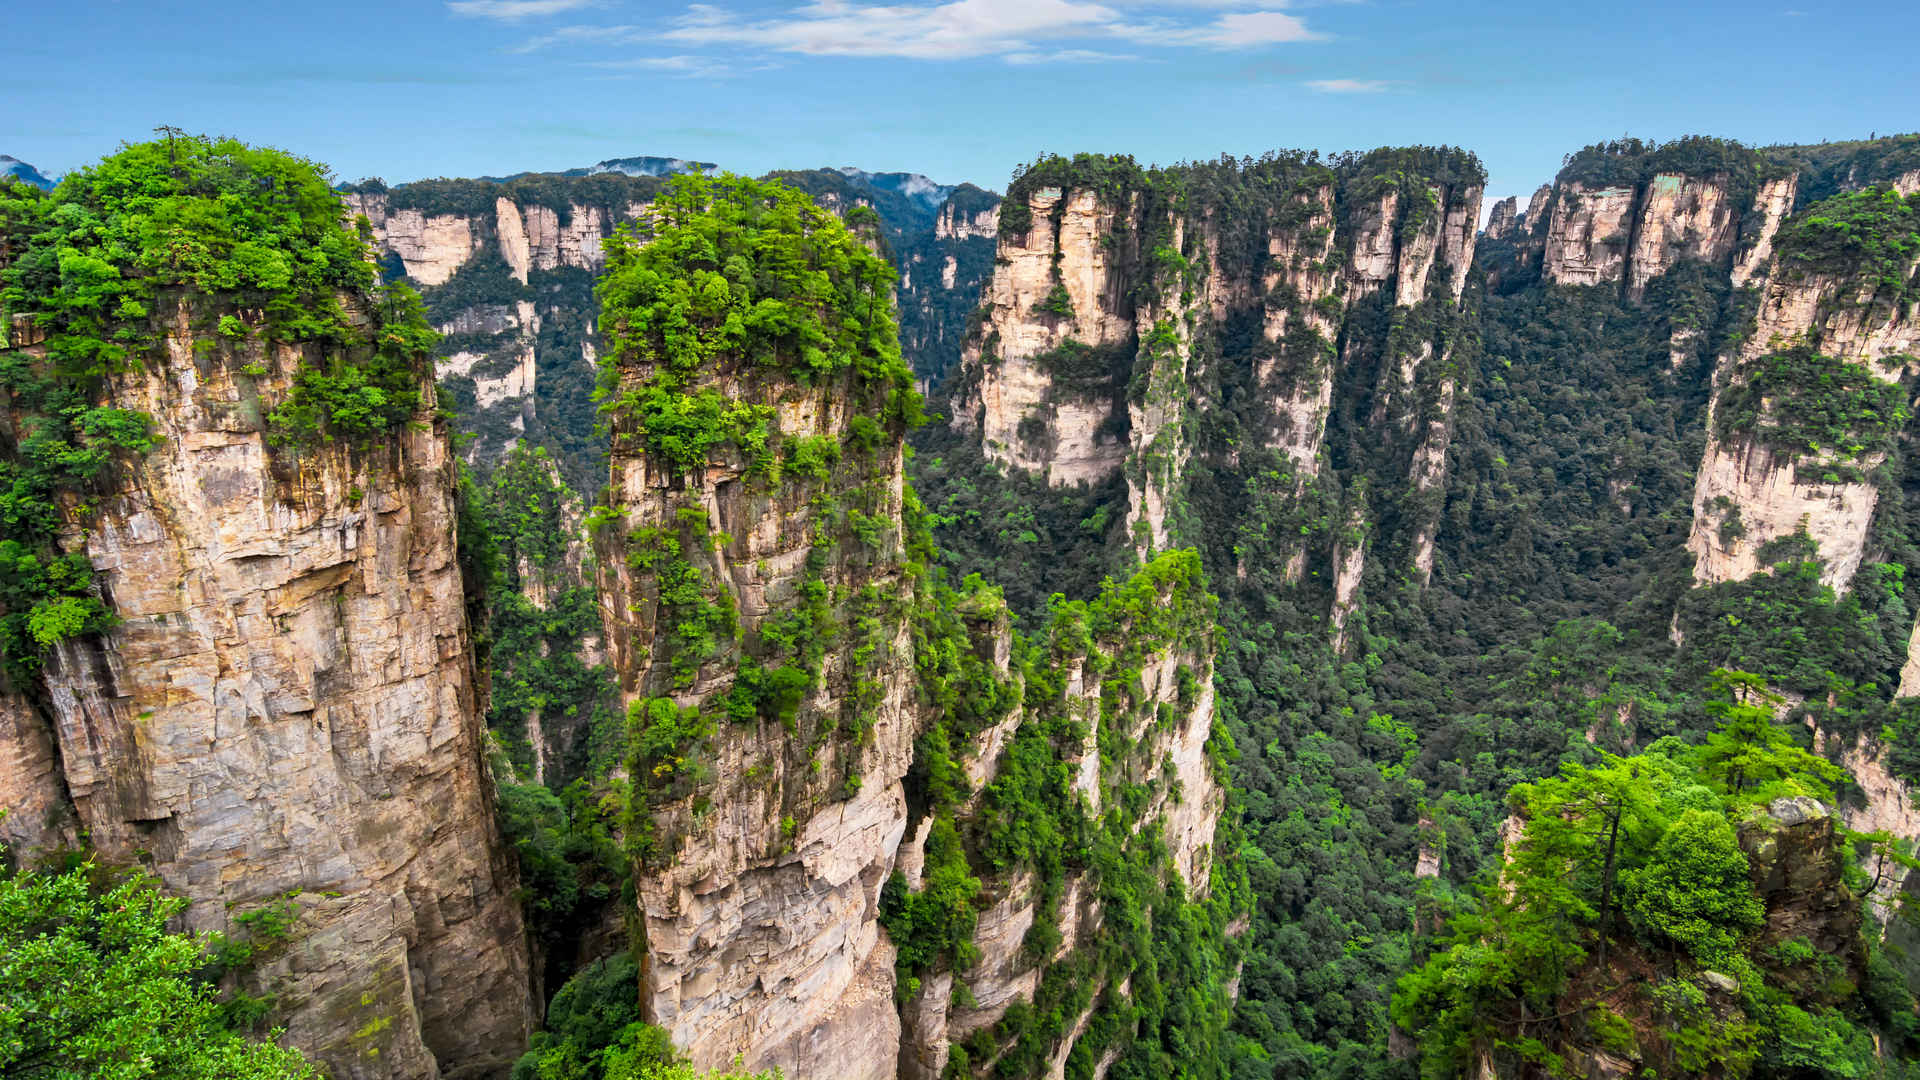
(289, 704)
(281, 706)
(757, 621)
(1806, 406)
(1058, 325)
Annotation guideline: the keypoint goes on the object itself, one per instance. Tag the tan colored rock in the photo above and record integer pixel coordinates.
(1066, 436)
(1588, 237)
(1681, 217)
(1429, 472)
(431, 248)
(1349, 563)
(1370, 258)
(761, 924)
(1775, 202)
(1501, 222)
(289, 703)
(38, 815)
(1539, 209)
(953, 225)
(1840, 319)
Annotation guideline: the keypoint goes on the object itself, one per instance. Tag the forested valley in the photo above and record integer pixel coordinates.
(1249, 618)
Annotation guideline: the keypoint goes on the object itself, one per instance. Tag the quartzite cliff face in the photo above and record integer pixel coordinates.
(507, 271)
(1752, 488)
(773, 829)
(1114, 333)
(289, 706)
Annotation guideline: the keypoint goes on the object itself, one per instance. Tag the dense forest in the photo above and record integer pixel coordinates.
(1499, 772)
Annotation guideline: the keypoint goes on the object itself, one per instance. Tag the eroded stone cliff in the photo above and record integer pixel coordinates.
(281, 707)
(784, 656)
(1804, 405)
(1115, 323)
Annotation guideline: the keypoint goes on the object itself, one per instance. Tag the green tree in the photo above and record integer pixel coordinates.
(93, 985)
(1751, 757)
(1695, 890)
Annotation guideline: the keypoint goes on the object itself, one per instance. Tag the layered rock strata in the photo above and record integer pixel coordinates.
(288, 706)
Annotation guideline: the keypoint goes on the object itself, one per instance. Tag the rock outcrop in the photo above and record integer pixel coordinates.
(769, 630)
(1099, 342)
(1751, 489)
(1589, 235)
(1503, 221)
(288, 707)
(1057, 286)
(955, 223)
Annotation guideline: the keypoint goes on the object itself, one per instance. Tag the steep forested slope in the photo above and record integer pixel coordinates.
(1385, 695)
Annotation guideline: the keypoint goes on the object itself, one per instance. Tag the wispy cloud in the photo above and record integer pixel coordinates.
(1021, 30)
(692, 67)
(1065, 56)
(1239, 31)
(1348, 86)
(583, 35)
(514, 9)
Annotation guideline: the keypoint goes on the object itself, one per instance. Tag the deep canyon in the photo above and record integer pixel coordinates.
(1281, 555)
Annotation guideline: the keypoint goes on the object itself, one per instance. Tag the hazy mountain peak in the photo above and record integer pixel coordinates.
(912, 185)
(651, 166)
(20, 170)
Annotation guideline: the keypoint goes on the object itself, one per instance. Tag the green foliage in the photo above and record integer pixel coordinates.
(933, 928)
(192, 216)
(1831, 412)
(353, 398)
(571, 864)
(1870, 236)
(1653, 837)
(1628, 162)
(210, 226)
(92, 984)
(738, 275)
(1693, 889)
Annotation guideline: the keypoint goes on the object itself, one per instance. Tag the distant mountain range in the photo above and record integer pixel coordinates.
(646, 166)
(20, 170)
(911, 185)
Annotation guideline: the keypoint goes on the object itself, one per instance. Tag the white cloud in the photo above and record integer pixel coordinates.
(1348, 86)
(1025, 31)
(1065, 56)
(591, 35)
(514, 9)
(692, 67)
(1239, 31)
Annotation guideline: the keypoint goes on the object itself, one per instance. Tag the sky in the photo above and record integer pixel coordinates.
(961, 90)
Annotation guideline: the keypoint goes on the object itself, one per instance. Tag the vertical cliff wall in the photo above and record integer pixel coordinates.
(279, 703)
(507, 271)
(1130, 309)
(1807, 405)
(786, 659)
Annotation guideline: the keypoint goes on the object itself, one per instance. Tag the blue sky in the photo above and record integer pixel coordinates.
(957, 89)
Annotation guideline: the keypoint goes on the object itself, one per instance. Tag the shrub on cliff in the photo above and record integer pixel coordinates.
(92, 984)
(732, 276)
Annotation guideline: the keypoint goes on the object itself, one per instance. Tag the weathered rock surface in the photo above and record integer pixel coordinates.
(1777, 494)
(1024, 419)
(1589, 234)
(1145, 318)
(1774, 203)
(954, 224)
(760, 921)
(288, 705)
(1501, 222)
(431, 247)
